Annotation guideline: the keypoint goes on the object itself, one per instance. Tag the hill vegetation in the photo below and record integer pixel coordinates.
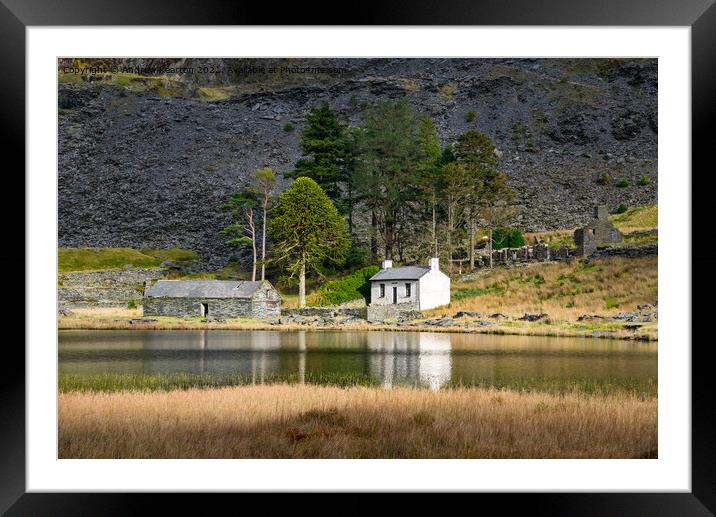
(96, 259)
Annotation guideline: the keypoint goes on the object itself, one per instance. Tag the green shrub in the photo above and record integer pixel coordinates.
(610, 302)
(644, 180)
(132, 304)
(288, 127)
(507, 238)
(604, 179)
(623, 183)
(350, 287)
(470, 116)
(622, 208)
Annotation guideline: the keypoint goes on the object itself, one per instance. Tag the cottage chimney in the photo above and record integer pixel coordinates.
(434, 264)
(387, 264)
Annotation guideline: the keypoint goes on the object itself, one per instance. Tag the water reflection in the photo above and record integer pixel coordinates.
(423, 358)
(390, 358)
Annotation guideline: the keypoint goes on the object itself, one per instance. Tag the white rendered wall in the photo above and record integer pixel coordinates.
(434, 290)
(375, 298)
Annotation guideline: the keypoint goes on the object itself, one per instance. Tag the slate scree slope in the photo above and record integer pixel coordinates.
(141, 168)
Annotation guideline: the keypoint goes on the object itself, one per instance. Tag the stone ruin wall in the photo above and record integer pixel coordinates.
(111, 288)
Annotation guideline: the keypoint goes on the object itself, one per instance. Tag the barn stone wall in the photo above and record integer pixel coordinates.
(219, 307)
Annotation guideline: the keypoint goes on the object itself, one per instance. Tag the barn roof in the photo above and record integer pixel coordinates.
(401, 273)
(204, 289)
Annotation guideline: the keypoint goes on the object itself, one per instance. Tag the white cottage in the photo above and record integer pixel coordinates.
(408, 288)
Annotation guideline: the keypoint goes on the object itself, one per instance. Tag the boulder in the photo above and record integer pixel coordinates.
(534, 317)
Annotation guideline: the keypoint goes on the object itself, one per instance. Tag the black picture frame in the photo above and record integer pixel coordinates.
(700, 15)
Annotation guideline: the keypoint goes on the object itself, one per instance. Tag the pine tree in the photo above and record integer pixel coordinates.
(387, 169)
(323, 148)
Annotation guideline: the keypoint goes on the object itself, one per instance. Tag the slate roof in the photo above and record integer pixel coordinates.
(401, 273)
(203, 289)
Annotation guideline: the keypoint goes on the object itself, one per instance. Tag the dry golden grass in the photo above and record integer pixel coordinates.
(283, 421)
(564, 290)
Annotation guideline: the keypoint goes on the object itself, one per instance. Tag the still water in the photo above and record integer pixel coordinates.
(390, 358)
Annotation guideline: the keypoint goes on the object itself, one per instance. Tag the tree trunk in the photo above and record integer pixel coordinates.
(389, 238)
(435, 229)
(263, 242)
(302, 283)
(350, 209)
(449, 238)
(253, 246)
(489, 229)
(373, 235)
(472, 244)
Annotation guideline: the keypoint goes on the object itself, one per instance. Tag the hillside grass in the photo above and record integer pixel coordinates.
(563, 290)
(97, 259)
(637, 219)
(306, 421)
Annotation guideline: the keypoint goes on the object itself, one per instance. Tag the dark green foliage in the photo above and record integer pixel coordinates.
(643, 181)
(288, 127)
(388, 166)
(132, 304)
(348, 288)
(470, 116)
(323, 146)
(308, 228)
(507, 238)
(604, 179)
(623, 183)
(622, 208)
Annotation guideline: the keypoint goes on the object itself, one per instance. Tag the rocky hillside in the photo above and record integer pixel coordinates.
(147, 160)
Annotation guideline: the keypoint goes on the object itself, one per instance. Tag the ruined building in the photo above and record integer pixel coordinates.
(599, 231)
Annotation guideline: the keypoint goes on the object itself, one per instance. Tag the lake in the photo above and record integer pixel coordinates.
(390, 358)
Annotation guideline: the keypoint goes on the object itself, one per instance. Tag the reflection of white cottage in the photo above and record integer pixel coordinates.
(408, 288)
(412, 358)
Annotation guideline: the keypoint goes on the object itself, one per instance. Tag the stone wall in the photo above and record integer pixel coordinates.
(325, 312)
(392, 312)
(536, 253)
(111, 288)
(626, 252)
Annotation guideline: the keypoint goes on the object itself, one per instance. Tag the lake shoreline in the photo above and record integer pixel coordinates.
(603, 330)
(304, 421)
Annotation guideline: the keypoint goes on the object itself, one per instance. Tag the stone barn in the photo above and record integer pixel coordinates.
(400, 290)
(221, 298)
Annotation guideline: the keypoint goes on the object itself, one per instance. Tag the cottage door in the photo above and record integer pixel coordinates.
(395, 295)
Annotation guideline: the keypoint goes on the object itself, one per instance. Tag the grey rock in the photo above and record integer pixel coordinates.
(534, 317)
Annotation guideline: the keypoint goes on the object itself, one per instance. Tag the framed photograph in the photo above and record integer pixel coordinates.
(418, 254)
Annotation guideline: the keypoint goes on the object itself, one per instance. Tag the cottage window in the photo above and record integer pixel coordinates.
(382, 290)
(407, 290)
